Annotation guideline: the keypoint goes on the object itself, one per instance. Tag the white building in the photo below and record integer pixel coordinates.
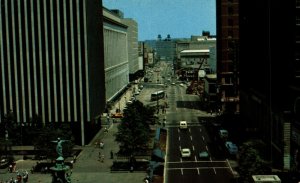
(132, 40)
(116, 65)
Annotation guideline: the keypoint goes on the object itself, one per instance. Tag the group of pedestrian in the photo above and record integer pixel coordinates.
(22, 177)
(12, 167)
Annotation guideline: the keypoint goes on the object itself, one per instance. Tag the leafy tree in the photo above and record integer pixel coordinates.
(134, 131)
(250, 161)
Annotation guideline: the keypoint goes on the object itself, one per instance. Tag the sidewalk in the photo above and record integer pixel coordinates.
(88, 168)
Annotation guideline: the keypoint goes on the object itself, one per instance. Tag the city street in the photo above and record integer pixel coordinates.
(183, 107)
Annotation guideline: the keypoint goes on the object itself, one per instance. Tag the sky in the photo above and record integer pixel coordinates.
(179, 18)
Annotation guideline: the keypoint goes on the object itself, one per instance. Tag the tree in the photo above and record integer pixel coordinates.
(134, 131)
(250, 161)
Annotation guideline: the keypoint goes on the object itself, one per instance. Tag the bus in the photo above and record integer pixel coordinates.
(157, 95)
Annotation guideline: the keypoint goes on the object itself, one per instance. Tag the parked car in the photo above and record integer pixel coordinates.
(203, 155)
(185, 153)
(117, 115)
(223, 134)
(231, 147)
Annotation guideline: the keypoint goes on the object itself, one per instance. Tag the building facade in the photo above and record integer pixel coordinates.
(116, 64)
(51, 62)
(227, 55)
(133, 53)
(270, 77)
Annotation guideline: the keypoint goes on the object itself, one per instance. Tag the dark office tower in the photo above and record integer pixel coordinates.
(227, 55)
(51, 62)
(270, 86)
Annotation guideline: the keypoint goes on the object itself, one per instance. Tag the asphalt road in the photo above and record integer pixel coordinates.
(193, 169)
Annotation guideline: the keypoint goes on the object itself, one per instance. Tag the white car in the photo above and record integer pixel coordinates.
(185, 153)
(183, 125)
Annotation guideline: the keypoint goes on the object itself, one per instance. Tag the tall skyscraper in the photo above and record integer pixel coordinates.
(269, 54)
(51, 61)
(228, 55)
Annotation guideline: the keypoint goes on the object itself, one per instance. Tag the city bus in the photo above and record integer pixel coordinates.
(157, 95)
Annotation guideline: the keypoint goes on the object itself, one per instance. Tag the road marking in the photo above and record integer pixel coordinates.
(203, 138)
(181, 171)
(200, 129)
(179, 138)
(189, 130)
(195, 158)
(191, 138)
(206, 148)
(229, 166)
(192, 168)
(198, 171)
(193, 148)
(174, 162)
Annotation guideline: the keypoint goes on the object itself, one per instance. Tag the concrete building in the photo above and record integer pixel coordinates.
(199, 43)
(116, 65)
(51, 62)
(270, 79)
(133, 54)
(210, 91)
(227, 55)
(164, 49)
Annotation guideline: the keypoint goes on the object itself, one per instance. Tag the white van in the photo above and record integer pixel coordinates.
(183, 125)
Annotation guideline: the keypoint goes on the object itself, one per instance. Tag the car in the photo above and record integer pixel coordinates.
(223, 134)
(117, 115)
(183, 125)
(173, 83)
(185, 153)
(203, 155)
(129, 102)
(231, 147)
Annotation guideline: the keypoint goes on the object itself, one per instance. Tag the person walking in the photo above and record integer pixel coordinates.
(111, 154)
(101, 145)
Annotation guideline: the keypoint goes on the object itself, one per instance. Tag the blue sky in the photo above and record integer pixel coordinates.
(179, 18)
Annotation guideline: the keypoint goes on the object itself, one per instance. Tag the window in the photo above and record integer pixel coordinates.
(297, 20)
(230, 10)
(230, 22)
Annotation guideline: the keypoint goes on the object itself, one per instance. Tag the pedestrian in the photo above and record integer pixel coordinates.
(111, 154)
(101, 145)
(102, 158)
(25, 176)
(10, 168)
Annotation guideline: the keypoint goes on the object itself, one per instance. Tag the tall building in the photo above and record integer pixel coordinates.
(165, 49)
(227, 55)
(133, 53)
(51, 62)
(270, 85)
(115, 55)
